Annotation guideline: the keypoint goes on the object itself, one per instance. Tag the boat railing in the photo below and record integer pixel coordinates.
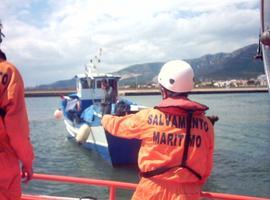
(114, 185)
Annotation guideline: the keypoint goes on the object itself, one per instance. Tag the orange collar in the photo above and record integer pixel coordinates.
(175, 105)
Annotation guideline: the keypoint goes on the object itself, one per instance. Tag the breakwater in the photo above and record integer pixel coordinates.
(141, 92)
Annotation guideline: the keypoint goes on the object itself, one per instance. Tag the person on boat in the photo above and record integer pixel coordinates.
(108, 99)
(15, 147)
(176, 153)
(73, 108)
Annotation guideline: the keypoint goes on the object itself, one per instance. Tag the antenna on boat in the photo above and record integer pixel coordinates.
(93, 64)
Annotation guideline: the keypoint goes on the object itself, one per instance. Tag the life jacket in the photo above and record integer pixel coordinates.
(173, 106)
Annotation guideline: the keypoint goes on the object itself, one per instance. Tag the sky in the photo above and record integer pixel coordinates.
(51, 40)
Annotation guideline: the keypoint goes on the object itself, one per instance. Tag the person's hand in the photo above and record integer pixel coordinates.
(213, 119)
(27, 173)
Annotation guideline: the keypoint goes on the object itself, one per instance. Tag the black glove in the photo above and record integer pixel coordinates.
(213, 119)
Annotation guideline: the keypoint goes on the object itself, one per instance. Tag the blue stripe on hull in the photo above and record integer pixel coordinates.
(123, 151)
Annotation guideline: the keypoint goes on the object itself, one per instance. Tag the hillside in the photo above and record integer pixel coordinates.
(238, 64)
(221, 66)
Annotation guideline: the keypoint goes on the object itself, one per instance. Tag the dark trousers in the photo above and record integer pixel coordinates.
(106, 108)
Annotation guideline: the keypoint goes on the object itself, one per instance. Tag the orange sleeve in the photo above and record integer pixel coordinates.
(129, 126)
(16, 120)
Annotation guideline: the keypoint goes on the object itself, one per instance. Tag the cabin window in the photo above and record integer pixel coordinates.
(111, 83)
(84, 83)
(99, 84)
(91, 83)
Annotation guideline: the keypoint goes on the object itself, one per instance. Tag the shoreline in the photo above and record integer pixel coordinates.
(144, 92)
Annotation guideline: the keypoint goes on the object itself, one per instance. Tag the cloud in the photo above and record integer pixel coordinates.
(52, 40)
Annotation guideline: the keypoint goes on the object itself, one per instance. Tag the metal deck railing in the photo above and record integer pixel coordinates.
(114, 185)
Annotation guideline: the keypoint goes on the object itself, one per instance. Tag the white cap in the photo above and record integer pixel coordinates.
(176, 76)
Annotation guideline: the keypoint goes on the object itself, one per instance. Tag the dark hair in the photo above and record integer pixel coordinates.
(104, 81)
(176, 94)
(122, 108)
(170, 93)
(2, 55)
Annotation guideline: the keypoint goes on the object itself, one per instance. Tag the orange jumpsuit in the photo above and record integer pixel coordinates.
(15, 144)
(162, 131)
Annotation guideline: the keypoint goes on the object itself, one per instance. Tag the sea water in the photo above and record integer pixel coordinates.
(241, 157)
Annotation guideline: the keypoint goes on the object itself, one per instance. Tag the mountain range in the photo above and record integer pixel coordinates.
(239, 64)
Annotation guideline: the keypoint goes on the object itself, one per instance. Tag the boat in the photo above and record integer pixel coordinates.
(82, 116)
(264, 46)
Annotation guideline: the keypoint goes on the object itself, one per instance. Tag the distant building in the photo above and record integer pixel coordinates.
(262, 79)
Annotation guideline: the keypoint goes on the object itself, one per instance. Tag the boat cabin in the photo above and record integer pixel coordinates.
(89, 90)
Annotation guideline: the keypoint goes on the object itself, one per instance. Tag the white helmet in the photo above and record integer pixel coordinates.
(176, 76)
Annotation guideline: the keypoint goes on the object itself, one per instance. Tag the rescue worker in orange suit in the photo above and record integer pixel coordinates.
(15, 147)
(177, 139)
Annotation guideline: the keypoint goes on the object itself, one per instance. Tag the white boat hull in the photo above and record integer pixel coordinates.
(117, 151)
